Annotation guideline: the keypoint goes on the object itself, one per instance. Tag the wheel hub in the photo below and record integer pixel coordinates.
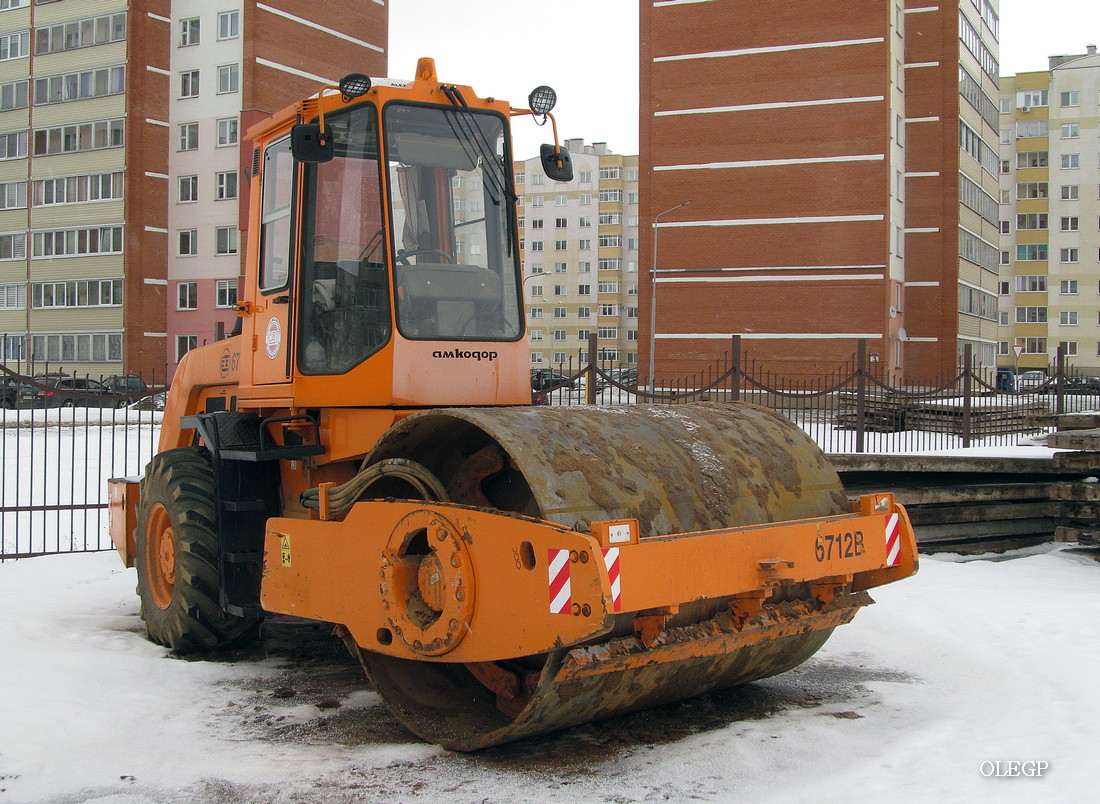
(162, 554)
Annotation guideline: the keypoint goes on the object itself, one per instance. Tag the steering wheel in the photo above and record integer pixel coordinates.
(403, 255)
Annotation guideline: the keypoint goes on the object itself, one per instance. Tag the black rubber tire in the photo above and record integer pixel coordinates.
(191, 618)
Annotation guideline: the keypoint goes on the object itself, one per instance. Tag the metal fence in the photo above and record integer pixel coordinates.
(855, 407)
(63, 436)
(58, 451)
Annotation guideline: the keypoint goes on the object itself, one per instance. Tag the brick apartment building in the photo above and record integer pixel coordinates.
(123, 165)
(841, 162)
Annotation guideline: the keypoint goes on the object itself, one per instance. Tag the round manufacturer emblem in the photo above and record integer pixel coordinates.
(274, 337)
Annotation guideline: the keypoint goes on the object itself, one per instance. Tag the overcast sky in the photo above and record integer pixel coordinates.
(587, 50)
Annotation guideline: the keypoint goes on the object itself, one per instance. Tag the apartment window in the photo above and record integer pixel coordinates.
(1031, 159)
(584, 199)
(1068, 287)
(585, 222)
(229, 25)
(1071, 161)
(611, 241)
(1069, 192)
(1036, 283)
(536, 245)
(585, 175)
(100, 347)
(77, 293)
(1033, 346)
(1067, 255)
(189, 136)
(1003, 288)
(78, 189)
(607, 287)
(77, 242)
(559, 357)
(1006, 105)
(536, 334)
(561, 245)
(1031, 128)
(227, 132)
(80, 33)
(561, 223)
(1030, 252)
(15, 45)
(521, 178)
(536, 178)
(607, 332)
(610, 196)
(632, 198)
(536, 358)
(584, 267)
(559, 334)
(536, 223)
(584, 290)
(1031, 189)
(1031, 220)
(631, 312)
(1032, 97)
(229, 78)
(13, 297)
(189, 32)
(1071, 131)
(536, 312)
(536, 200)
(1002, 319)
(584, 244)
(1069, 348)
(1031, 315)
(609, 309)
(1067, 318)
(13, 246)
(1006, 166)
(187, 296)
(1006, 196)
(1069, 223)
(225, 240)
(611, 218)
(80, 86)
(1069, 99)
(189, 84)
(559, 290)
(78, 137)
(184, 344)
(1006, 227)
(225, 185)
(584, 312)
(536, 268)
(188, 243)
(560, 267)
(583, 334)
(226, 293)
(13, 195)
(559, 312)
(561, 200)
(610, 264)
(13, 145)
(1006, 136)
(536, 290)
(7, 5)
(14, 95)
(188, 189)
(613, 172)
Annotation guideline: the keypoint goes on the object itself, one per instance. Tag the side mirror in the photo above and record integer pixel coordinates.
(308, 143)
(556, 163)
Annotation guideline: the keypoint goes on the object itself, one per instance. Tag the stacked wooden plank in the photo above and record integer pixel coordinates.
(1079, 432)
(891, 413)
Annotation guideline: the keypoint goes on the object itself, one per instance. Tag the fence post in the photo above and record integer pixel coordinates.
(590, 370)
(1060, 380)
(861, 396)
(735, 387)
(967, 389)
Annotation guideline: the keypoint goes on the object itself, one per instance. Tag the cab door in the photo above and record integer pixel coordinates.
(272, 346)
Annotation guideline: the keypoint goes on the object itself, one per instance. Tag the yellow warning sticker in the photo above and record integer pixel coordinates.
(284, 546)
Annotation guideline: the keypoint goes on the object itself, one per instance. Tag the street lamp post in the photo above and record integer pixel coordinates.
(653, 299)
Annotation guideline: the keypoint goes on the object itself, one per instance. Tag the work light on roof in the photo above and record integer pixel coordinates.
(354, 85)
(542, 100)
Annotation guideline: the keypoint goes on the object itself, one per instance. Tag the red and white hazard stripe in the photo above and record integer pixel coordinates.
(560, 593)
(611, 562)
(893, 541)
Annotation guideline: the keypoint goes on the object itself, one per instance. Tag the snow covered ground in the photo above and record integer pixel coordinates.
(969, 662)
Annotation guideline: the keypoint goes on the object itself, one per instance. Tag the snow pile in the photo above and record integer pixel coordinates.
(982, 661)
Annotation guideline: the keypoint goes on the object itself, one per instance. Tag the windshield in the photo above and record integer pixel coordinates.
(450, 201)
(345, 307)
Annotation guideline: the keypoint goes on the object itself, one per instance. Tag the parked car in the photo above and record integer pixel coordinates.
(130, 387)
(542, 379)
(9, 391)
(1006, 380)
(1079, 386)
(66, 392)
(624, 376)
(1030, 379)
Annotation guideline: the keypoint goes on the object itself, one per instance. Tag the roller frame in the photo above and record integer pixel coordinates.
(506, 608)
